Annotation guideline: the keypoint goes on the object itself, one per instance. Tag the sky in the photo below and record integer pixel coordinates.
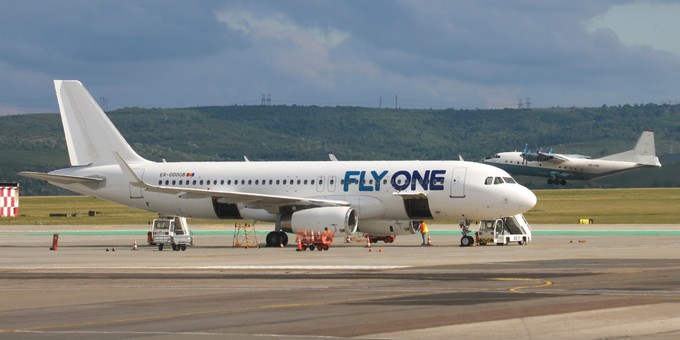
(409, 54)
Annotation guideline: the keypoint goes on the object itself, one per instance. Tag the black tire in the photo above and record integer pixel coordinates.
(471, 239)
(160, 247)
(184, 247)
(283, 238)
(464, 241)
(273, 239)
(311, 247)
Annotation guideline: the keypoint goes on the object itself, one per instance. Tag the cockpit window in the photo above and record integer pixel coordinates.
(488, 181)
(509, 180)
(498, 180)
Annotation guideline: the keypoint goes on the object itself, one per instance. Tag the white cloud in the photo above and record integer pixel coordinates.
(643, 24)
(279, 25)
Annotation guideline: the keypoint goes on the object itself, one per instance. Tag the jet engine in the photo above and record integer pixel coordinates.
(337, 219)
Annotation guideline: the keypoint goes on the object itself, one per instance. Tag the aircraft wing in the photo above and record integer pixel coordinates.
(271, 203)
(62, 179)
(552, 157)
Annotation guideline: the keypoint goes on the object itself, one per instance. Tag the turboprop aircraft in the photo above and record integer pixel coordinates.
(375, 197)
(558, 167)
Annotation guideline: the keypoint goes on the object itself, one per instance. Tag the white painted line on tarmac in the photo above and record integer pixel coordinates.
(240, 267)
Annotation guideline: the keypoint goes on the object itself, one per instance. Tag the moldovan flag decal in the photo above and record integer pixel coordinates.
(9, 199)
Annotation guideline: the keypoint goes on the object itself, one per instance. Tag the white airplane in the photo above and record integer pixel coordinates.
(375, 197)
(558, 167)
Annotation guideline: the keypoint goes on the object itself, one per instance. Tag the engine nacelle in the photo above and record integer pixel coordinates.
(387, 228)
(337, 219)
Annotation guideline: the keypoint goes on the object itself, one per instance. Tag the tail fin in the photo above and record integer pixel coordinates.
(91, 138)
(644, 152)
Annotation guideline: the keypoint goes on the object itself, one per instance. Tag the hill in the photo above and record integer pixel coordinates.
(35, 142)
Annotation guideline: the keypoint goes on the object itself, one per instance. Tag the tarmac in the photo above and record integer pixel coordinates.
(571, 281)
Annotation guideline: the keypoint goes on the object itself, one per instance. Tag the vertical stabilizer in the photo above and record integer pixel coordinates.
(91, 138)
(644, 152)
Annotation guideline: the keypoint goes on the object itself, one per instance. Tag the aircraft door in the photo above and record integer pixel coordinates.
(319, 183)
(136, 192)
(458, 182)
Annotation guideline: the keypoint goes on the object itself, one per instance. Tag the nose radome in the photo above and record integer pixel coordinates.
(527, 199)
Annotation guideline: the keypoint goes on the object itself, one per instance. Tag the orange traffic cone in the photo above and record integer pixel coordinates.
(299, 246)
(368, 242)
(429, 240)
(134, 246)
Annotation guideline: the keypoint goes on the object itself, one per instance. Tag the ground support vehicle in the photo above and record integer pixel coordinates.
(172, 230)
(320, 240)
(375, 239)
(503, 231)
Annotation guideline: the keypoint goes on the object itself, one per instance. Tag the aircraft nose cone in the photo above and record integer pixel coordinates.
(526, 200)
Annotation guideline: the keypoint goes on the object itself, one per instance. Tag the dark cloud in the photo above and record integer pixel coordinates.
(429, 53)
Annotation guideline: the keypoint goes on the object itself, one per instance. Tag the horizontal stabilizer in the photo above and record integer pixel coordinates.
(62, 179)
(644, 152)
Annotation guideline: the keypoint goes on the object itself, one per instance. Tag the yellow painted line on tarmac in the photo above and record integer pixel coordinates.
(543, 283)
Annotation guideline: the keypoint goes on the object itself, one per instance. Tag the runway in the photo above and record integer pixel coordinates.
(609, 285)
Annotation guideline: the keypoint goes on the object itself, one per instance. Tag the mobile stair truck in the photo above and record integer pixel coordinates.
(503, 231)
(172, 230)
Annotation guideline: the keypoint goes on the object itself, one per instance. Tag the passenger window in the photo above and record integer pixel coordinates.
(284, 181)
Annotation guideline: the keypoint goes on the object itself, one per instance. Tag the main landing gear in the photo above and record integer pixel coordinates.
(557, 181)
(277, 239)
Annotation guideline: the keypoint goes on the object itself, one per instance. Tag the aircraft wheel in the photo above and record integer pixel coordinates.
(464, 241)
(273, 239)
(283, 238)
(471, 240)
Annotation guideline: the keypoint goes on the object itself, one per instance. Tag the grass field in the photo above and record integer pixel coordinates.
(604, 206)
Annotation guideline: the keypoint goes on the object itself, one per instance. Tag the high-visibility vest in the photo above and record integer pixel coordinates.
(423, 228)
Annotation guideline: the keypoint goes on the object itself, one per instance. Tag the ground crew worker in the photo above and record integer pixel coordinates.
(423, 232)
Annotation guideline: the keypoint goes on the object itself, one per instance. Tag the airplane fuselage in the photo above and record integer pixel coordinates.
(377, 190)
(574, 168)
